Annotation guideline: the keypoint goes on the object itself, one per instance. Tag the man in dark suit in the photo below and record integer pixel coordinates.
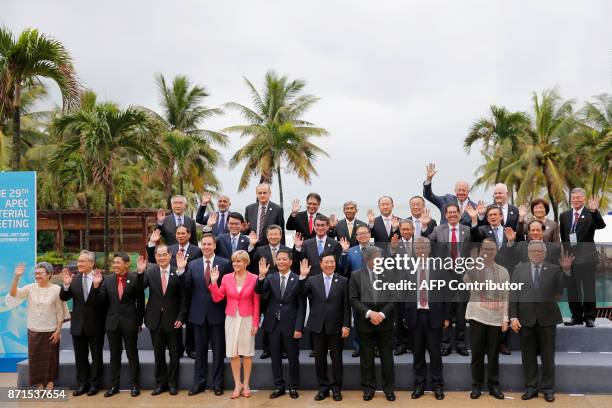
(577, 227)
(263, 213)
(386, 224)
(329, 321)
(312, 248)
(421, 217)
(234, 240)
(165, 313)
(374, 312)
(167, 224)
(284, 319)
(493, 228)
(267, 252)
(346, 227)
(302, 222)
(182, 245)
(534, 314)
(124, 295)
(427, 314)
(461, 197)
(207, 317)
(219, 219)
(86, 324)
(510, 214)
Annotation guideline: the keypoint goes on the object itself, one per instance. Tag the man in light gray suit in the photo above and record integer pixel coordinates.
(453, 240)
(461, 197)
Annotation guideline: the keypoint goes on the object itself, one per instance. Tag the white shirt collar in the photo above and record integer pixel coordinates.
(212, 259)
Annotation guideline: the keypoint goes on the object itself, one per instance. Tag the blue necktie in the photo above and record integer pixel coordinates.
(222, 223)
(234, 244)
(320, 246)
(327, 285)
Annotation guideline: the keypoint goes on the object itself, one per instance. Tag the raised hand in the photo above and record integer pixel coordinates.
(566, 260)
(66, 276)
(161, 215)
(181, 260)
(253, 238)
(345, 244)
(298, 240)
(19, 270)
(304, 268)
(333, 221)
(295, 206)
(141, 264)
(522, 212)
(431, 171)
(394, 223)
(395, 240)
(345, 332)
(97, 278)
(214, 274)
(263, 268)
(594, 204)
(482, 208)
(371, 216)
(510, 234)
(212, 220)
(425, 217)
(206, 197)
(472, 212)
(155, 236)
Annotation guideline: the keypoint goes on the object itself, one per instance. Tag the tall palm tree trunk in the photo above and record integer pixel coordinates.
(280, 184)
(87, 220)
(551, 196)
(16, 152)
(107, 198)
(498, 172)
(116, 228)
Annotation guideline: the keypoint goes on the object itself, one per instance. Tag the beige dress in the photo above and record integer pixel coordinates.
(238, 339)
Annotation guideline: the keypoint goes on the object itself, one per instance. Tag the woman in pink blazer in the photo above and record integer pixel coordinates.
(242, 317)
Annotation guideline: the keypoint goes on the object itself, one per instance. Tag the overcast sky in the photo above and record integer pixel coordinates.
(400, 82)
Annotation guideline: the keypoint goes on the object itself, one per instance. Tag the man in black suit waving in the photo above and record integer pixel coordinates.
(386, 224)
(86, 323)
(164, 316)
(346, 227)
(302, 222)
(313, 247)
(329, 321)
(263, 213)
(183, 236)
(167, 224)
(234, 240)
(284, 319)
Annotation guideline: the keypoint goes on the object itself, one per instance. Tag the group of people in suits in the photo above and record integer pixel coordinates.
(240, 270)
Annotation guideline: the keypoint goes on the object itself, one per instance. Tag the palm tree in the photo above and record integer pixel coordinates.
(278, 135)
(102, 136)
(30, 57)
(502, 127)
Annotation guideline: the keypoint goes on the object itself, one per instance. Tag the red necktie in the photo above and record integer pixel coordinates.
(576, 217)
(310, 223)
(422, 289)
(453, 243)
(207, 273)
(120, 286)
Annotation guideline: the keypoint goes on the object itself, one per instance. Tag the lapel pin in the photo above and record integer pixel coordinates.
(335, 280)
(328, 245)
(512, 212)
(171, 274)
(128, 281)
(582, 216)
(291, 279)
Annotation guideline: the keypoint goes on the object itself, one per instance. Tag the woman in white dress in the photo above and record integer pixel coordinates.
(242, 317)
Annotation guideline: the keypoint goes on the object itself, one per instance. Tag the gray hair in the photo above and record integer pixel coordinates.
(372, 252)
(578, 190)
(536, 242)
(350, 202)
(161, 246)
(46, 266)
(178, 198)
(90, 255)
(460, 182)
(406, 221)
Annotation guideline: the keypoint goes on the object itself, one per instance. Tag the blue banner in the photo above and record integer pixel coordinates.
(17, 244)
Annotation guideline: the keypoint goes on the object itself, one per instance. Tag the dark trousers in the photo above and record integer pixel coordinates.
(116, 341)
(484, 340)
(88, 375)
(384, 340)
(426, 338)
(189, 343)
(278, 343)
(456, 336)
(542, 339)
(581, 291)
(356, 344)
(322, 343)
(163, 340)
(215, 335)
(401, 334)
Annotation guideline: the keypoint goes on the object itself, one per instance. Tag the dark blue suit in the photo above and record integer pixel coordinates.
(202, 218)
(441, 201)
(208, 319)
(351, 261)
(224, 245)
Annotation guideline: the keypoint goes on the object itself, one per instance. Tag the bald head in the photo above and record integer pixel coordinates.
(462, 190)
(500, 194)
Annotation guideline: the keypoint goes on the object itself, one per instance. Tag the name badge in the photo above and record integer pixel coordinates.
(573, 239)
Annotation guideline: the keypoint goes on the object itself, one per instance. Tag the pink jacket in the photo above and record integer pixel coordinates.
(247, 301)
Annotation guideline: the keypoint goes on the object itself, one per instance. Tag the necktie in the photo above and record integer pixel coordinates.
(422, 289)
(327, 285)
(222, 223)
(454, 243)
(363, 249)
(283, 285)
(179, 221)
(262, 221)
(310, 223)
(234, 244)
(320, 246)
(575, 223)
(120, 287)
(182, 251)
(207, 273)
(417, 227)
(495, 232)
(273, 255)
(536, 277)
(350, 228)
(85, 287)
(164, 282)
(388, 226)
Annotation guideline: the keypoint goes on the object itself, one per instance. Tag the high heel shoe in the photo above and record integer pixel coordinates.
(237, 395)
(246, 394)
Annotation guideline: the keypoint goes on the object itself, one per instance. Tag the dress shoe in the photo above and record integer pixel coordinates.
(390, 396)
(293, 393)
(264, 355)
(196, 389)
(321, 396)
(218, 391)
(368, 395)
(574, 322)
(111, 391)
(529, 395)
(376, 353)
(476, 393)
(463, 351)
(337, 396)
(191, 354)
(158, 390)
(135, 391)
(399, 350)
(277, 393)
(312, 354)
(439, 393)
(355, 354)
(173, 390)
(496, 393)
(79, 391)
(92, 391)
(417, 393)
(284, 356)
(589, 323)
(549, 396)
(503, 349)
(445, 352)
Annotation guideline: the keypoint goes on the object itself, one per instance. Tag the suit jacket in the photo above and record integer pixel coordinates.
(327, 314)
(379, 231)
(224, 245)
(510, 256)
(430, 227)
(480, 232)
(512, 220)
(264, 251)
(588, 222)
(341, 231)
(364, 297)
(88, 316)
(551, 231)
(438, 301)
(287, 311)
(310, 252)
(439, 238)
(202, 307)
(193, 252)
(202, 218)
(245, 302)
(168, 229)
(127, 313)
(274, 215)
(163, 309)
(441, 201)
(352, 261)
(539, 306)
(299, 223)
